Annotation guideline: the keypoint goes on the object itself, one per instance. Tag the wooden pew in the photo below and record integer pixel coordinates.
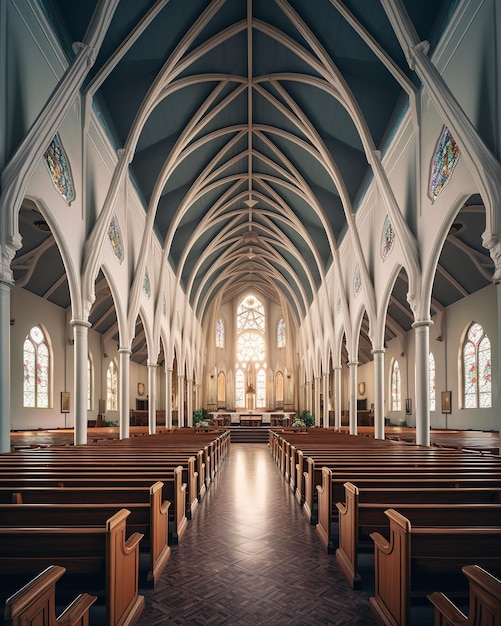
(173, 489)
(63, 506)
(357, 520)
(35, 603)
(99, 560)
(353, 473)
(418, 560)
(484, 601)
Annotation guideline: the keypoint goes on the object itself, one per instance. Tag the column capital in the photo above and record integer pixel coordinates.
(378, 351)
(83, 323)
(124, 351)
(422, 323)
(352, 363)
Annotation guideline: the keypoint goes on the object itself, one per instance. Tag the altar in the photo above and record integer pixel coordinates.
(256, 418)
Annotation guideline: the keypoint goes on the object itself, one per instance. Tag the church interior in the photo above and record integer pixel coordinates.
(271, 218)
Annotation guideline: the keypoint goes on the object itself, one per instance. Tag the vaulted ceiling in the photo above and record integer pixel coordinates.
(248, 157)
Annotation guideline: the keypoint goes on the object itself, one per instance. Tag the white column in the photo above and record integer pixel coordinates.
(337, 396)
(168, 398)
(124, 376)
(180, 401)
(189, 402)
(353, 369)
(378, 393)
(80, 356)
(325, 391)
(309, 399)
(422, 378)
(152, 398)
(5, 425)
(317, 401)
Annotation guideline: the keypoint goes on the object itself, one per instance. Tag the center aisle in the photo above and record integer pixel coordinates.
(249, 557)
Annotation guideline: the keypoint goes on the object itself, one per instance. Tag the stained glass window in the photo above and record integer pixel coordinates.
(357, 280)
(115, 237)
(443, 163)
(36, 364)
(146, 283)
(219, 333)
(477, 382)
(112, 387)
(387, 238)
(250, 314)
(396, 387)
(281, 333)
(59, 168)
(240, 388)
(432, 381)
(261, 388)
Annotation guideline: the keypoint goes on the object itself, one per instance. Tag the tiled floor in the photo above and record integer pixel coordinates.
(249, 557)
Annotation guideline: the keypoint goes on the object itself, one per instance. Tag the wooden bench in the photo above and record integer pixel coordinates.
(418, 560)
(35, 603)
(484, 601)
(68, 507)
(99, 560)
(357, 520)
(173, 489)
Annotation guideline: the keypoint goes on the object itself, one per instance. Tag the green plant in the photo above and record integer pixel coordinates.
(297, 423)
(308, 419)
(199, 416)
(110, 422)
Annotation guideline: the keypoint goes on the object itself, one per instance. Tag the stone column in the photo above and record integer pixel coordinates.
(318, 389)
(152, 398)
(353, 370)
(337, 396)
(124, 376)
(378, 393)
(168, 398)
(189, 402)
(180, 401)
(80, 356)
(325, 391)
(5, 419)
(422, 381)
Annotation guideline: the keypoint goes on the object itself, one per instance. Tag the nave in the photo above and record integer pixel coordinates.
(249, 557)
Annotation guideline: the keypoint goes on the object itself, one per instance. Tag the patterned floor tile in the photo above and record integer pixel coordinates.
(250, 558)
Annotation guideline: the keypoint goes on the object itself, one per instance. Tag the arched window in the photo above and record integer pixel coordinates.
(239, 388)
(36, 364)
(477, 386)
(279, 389)
(261, 388)
(112, 387)
(396, 387)
(219, 333)
(432, 385)
(281, 333)
(251, 351)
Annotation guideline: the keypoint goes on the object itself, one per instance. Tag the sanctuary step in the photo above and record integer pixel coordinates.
(249, 434)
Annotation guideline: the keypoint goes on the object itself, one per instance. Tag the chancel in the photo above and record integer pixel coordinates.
(251, 219)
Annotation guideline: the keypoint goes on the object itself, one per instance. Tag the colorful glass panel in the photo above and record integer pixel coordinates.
(396, 388)
(357, 280)
(115, 237)
(36, 364)
(111, 387)
(261, 388)
(239, 388)
(477, 375)
(146, 283)
(281, 333)
(443, 163)
(219, 333)
(250, 314)
(387, 238)
(432, 382)
(59, 168)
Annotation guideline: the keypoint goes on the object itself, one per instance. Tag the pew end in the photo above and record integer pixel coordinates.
(35, 603)
(484, 601)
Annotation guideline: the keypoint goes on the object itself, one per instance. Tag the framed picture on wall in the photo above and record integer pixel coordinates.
(65, 401)
(446, 401)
